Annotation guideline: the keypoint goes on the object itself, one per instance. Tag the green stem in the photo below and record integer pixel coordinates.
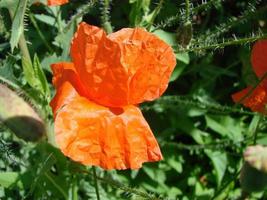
(105, 17)
(255, 134)
(187, 10)
(222, 145)
(40, 33)
(74, 188)
(24, 48)
(95, 182)
(81, 11)
(58, 19)
(223, 44)
(171, 21)
(128, 189)
(232, 22)
(123, 187)
(172, 102)
(56, 186)
(155, 13)
(218, 192)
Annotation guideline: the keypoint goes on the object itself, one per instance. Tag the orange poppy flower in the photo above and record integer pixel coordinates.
(96, 120)
(52, 2)
(56, 2)
(257, 100)
(127, 67)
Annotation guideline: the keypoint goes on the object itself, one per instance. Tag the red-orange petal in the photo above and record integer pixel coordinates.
(112, 138)
(56, 2)
(66, 82)
(259, 57)
(256, 101)
(127, 67)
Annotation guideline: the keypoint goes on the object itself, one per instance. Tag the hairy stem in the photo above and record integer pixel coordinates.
(96, 184)
(187, 10)
(236, 41)
(40, 33)
(105, 16)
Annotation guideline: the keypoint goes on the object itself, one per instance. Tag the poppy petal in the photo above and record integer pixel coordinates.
(56, 2)
(112, 138)
(66, 82)
(127, 67)
(259, 57)
(255, 101)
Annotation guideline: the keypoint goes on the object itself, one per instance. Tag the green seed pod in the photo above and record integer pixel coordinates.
(19, 116)
(184, 34)
(253, 176)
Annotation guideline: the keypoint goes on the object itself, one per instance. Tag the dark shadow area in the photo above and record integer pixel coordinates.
(116, 111)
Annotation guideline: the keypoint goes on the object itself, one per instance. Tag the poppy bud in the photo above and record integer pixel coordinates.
(256, 156)
(19, 116)
(184, 34)
(253, 176)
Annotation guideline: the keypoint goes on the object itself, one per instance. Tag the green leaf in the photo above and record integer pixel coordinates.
(63, 40)
(47, 164)
(29, 74)
(219, 161)
(7, 179)
(216, 126)
(225, 126)
(18, 24)
(51, 21)
(139, 9)
(9, 4)
(253, 125)
(175, 163)
(4, 46)
(155, 174)
(6, 72)
(167, 37)
(183, 57)
(39, 73)
(186, 125)
(35, 76)
(177, 71)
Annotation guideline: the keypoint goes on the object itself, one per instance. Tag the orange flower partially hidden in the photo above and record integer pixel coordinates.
(56, 2)
(259, 58)
(257, 100)
(96, 120)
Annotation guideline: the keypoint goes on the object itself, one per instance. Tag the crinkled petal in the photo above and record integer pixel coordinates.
(127, 67)
(112, 138)
(259, 57)
(66, 82)
(56, 2)
(256, 101)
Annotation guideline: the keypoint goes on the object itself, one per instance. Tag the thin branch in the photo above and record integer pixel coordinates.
(80, 12)
(235, 41)
(177, 101)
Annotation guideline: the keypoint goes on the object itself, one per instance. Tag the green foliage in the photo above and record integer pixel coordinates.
(201, 132)
(18, 22)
